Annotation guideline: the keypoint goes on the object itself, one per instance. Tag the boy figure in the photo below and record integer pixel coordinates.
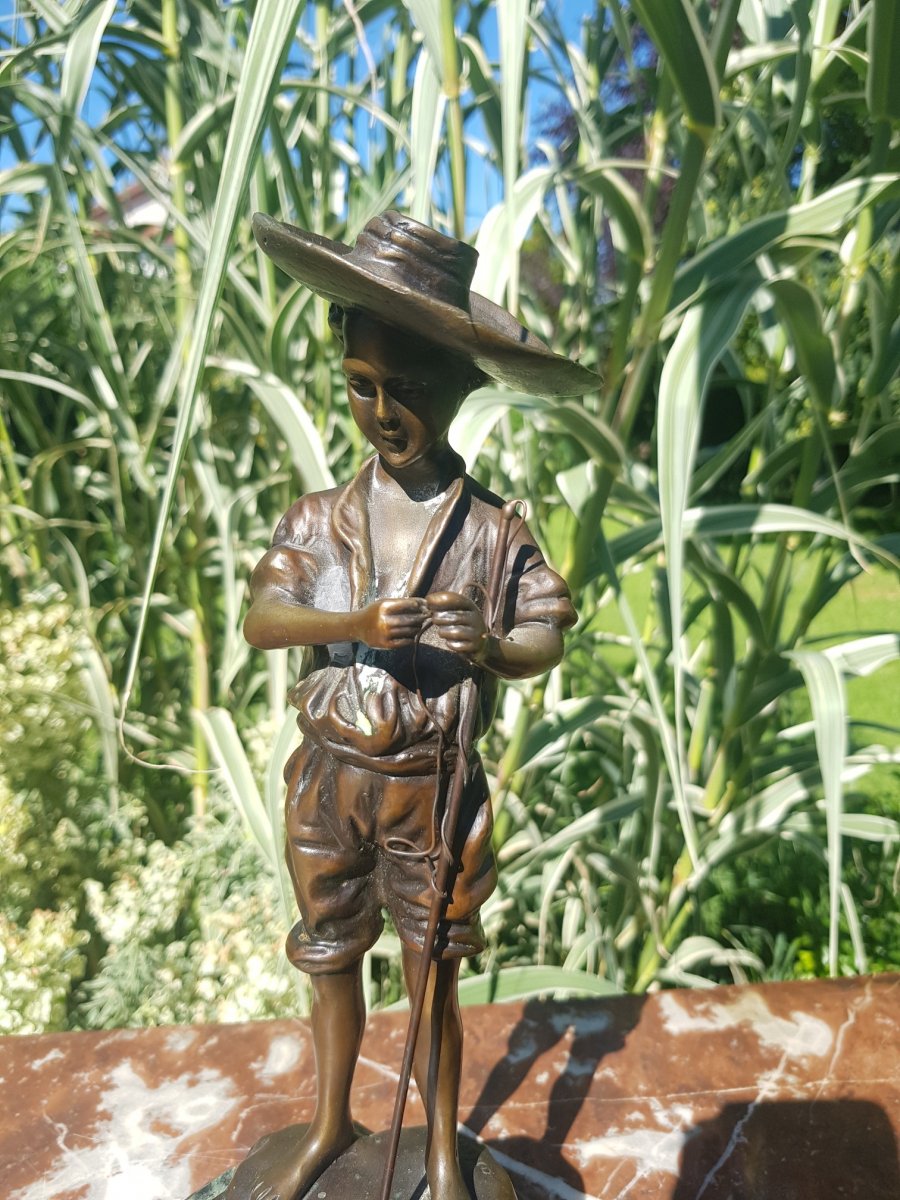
(385, 579)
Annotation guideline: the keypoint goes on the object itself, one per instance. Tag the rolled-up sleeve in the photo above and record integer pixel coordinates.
(536, 591)
(289, 567)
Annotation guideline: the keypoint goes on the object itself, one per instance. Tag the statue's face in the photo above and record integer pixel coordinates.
(403, 393)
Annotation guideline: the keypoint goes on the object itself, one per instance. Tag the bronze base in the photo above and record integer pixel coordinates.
(358, 1173)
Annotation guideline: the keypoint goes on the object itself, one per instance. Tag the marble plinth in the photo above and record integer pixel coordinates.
(780, 1092)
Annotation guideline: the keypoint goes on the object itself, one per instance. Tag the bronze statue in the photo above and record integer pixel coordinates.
(417, 590)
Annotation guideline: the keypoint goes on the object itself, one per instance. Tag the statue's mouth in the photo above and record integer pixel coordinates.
(397, 441)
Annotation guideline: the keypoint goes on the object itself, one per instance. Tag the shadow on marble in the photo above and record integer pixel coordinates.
(544, 1024)
(792, 1150)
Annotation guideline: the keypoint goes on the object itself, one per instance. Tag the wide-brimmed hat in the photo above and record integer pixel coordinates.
(413, 277)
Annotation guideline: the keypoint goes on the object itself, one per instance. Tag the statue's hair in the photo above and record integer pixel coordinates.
(473, 376)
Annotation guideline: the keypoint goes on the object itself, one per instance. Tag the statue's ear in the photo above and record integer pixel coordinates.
(336, 321)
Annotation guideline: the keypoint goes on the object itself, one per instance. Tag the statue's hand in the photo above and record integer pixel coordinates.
(389, 624)
(459, 623)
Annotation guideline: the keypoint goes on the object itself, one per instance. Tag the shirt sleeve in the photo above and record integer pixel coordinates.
(289, 567)
(536, 593)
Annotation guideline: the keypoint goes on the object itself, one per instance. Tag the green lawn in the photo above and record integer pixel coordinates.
(868, 604)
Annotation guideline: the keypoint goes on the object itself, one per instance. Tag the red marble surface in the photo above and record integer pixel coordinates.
(781, 1092)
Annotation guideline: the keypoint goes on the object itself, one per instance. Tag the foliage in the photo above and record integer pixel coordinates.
(710, 222)
(177, 932)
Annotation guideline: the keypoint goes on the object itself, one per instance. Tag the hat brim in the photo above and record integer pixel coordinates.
(487, 334)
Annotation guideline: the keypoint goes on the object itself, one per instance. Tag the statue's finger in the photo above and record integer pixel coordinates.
(443, 601)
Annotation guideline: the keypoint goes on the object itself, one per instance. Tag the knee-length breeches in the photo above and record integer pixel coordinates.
(357, 843)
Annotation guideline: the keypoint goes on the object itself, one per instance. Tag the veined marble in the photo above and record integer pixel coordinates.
(777, 1092)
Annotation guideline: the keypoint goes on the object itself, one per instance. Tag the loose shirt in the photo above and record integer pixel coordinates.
(397, 711)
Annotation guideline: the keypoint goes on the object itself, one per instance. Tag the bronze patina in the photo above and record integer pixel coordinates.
(417, 591)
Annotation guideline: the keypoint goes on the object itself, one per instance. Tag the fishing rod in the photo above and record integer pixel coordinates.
(445, 863)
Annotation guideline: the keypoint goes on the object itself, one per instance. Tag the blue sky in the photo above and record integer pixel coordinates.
(484, 186)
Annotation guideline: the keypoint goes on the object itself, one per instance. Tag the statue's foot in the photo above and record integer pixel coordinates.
(276, 1171)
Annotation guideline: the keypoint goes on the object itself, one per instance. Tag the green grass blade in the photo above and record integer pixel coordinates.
(623, 205)
(883, 77)
(81, 55)
(673, 26)
(828, 699)
(519, 983)
(801, 313)
(703, 338)
(270, 34)
(426, 16)
(308, 453)
(512, 23)
(666, 733)
(101, 697)
(231, 758)
(426, 122)
(503, 230)
(737, 520)
(824, 216)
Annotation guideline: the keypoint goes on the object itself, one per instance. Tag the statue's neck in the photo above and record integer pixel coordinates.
(429, 475)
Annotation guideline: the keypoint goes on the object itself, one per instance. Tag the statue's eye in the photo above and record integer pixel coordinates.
(362, 386)
(407, 393)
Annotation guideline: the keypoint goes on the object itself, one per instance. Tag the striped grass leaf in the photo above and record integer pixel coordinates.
(476, 419)
(209, 119)
(801, 314)
(697, 950)
(825, 16)
(673, 26)
(671, 748)
(23, 179)
(854, 926)
(824, 216)
(77, 581)
(522, 983)
(739, 520)
(803, 75)
(771, 812)
(512, 27)
(870, 827)
(82, 48)
(261, 815)
(600, 442)
(862, 656)
(271, 31)
(724, 586)
(705, 333)
(103, 713)
(230, 757)
(89, 298)
(291, 418)
(484, 84)
(554, 730)
(623, 205)
(426, 121)
(502, 231)
(426, 17)
(53, 12)
(828, 699)
(882, 77)
(757, 54)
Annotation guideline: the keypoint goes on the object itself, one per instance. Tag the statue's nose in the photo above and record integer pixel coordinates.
(385, 412)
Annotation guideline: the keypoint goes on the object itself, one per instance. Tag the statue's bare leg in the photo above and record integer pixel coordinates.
(437, 1066)
(338, 1018)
